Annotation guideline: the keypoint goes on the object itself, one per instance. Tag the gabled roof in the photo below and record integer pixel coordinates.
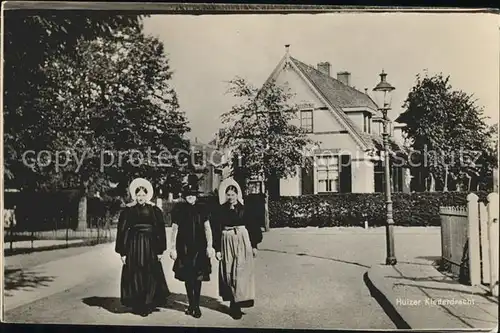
(339, 96)
(335, 91)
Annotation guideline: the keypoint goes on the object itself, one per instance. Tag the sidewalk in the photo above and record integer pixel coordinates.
(24, 286)
(417, 296)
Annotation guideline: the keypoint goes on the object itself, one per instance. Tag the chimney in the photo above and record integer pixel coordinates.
(366, 91)
(324, 67)
(344, 77)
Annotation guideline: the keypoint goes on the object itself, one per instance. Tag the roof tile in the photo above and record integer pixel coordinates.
(335, 91)
(340, 95)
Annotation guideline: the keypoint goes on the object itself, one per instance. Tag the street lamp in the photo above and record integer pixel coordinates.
(383, 98)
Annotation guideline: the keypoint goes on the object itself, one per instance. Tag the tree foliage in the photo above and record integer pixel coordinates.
(261, 133)
(29, 39)
(449, 133)
(108, 104)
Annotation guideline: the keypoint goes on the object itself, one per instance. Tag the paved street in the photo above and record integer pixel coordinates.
(305, 279)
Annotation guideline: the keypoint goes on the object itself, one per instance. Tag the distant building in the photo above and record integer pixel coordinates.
(208, 165)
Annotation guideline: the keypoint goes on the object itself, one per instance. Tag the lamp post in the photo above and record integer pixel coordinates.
(383, 92)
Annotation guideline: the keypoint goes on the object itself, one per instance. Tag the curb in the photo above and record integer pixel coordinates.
(384, 297)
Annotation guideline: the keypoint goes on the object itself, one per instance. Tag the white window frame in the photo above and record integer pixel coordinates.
(311, 110)
(318, 167)
(367, 123)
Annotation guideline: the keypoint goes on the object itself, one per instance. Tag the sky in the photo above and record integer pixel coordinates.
(205, 52)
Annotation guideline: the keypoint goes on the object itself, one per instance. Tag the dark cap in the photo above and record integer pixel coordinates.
(190, 189)
(192, 186)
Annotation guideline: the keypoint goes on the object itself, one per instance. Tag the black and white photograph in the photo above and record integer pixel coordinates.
(233, 168)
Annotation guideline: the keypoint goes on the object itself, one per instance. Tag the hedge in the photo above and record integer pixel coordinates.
(41, 211)
(254, 206)
(353, 209)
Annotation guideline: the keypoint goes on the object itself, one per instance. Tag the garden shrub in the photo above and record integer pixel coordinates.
(353, 209)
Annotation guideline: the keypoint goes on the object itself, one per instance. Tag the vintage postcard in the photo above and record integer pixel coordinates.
(250, 166)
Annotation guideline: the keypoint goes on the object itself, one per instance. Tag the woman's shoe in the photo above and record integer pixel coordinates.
(235, 311)
(141, 311)
(197, 312)
(189, 311)
(237, 315)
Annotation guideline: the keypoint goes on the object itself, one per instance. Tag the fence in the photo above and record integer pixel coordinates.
(454, 238)
(56, 231)
(469, 241)
(28, 241)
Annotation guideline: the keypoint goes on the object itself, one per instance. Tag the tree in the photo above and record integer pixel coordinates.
(260, 131)
(448, 131)
(110, 105)
(28, 41)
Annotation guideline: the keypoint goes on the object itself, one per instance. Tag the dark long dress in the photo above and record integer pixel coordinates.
(192, 261)
(141, 238)
(236, 232)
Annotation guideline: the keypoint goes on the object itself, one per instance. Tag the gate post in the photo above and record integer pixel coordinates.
(493, 241)
(473, 236)
(485, 254)
(82, 213)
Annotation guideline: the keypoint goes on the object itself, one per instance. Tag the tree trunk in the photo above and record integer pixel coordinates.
(82, 213)
(445, 188)
(432, 186)
(82, 209)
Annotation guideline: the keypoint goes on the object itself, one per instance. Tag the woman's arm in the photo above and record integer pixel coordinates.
(216, 229)
(208, 234)
(175, 214)
(253, 227)
(173, 236)
(161, 233)
(121, 234)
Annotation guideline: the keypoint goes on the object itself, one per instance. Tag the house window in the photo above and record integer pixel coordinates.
(254, 187)
(328, 172)
(306, 120)
(397, 179)
(367, 123)
(396, 175)
(379, 177)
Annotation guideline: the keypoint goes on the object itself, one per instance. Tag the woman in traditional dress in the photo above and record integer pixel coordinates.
(140, 241)
(236, 239)
(191, 246)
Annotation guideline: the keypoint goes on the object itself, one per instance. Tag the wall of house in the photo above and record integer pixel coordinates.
(291, 186)
(324, 122)
(398, 135)
(377, 127)
(303, 94)
(363, 176)
(357, 118)
(327, 129)
(329, 133)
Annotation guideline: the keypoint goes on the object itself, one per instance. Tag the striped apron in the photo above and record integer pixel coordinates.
(236, 269)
